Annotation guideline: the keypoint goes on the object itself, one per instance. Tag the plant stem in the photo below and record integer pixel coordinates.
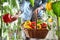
(58, 27)
(1, 18)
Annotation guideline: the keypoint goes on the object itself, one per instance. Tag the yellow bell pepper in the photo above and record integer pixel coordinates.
(38, 26)
(28, 22)
(48, 6)
(26, 25)
(50, 20)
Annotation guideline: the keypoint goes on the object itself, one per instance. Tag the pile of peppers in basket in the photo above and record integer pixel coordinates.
(29, 24)
(32, 25)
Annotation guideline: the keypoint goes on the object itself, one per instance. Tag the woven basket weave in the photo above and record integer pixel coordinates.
(36, 33)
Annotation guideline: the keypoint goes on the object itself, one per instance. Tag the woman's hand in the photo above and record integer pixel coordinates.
(15, 17)
(39, 8)
(35, 11)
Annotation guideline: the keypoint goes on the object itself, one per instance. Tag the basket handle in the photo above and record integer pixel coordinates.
(36, 18)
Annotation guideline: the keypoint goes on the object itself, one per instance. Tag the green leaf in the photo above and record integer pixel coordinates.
(51, 13)
(48, 0)
(13, 3)
(59, 21)
(39, 21)
(49, 27)
(58, 33)
(4, 0)
(19, 21)
(56, 8)
(32, 3)
(7, 9)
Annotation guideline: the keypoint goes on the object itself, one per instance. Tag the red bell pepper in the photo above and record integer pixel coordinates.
(43, 25)
(6, 18)
(32, 25)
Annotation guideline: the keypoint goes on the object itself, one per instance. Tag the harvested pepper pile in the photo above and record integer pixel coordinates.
(32, 25)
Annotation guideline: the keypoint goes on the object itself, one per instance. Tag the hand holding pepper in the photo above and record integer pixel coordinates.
(7, 18)
(16, 16)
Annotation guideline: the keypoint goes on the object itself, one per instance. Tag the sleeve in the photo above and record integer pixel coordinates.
(26, 14)
(22, 5)
(44, 3)
(37, 4)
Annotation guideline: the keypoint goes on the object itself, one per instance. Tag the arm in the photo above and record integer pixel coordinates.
(15, 17)
(41, 7)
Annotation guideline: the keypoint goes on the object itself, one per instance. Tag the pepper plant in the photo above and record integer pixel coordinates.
(56, 10)
(8, 6)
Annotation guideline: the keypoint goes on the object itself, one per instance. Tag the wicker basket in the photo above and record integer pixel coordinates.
(36, 33)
